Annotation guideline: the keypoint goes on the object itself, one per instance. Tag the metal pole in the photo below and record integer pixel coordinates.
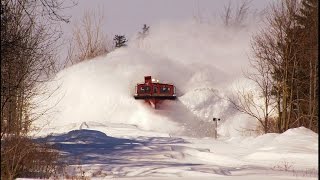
(215, 120)
(215, 128)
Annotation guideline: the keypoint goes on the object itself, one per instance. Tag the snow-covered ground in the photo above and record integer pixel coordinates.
(104, 133)
(107, 151)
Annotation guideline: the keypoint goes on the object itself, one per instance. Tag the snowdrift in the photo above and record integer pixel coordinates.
(127, 154)
(203, 61)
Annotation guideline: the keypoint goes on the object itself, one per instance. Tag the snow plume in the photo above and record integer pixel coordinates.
(201, 60)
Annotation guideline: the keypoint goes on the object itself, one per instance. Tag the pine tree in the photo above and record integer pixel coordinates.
(145, 31)
(290, 47)
(298, 71)
(120, 41)
(307, 31)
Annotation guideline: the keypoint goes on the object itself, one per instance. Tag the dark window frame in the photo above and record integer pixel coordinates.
(165, 90)
(144, 89)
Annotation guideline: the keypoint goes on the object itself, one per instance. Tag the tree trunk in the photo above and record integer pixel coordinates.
(310, 114)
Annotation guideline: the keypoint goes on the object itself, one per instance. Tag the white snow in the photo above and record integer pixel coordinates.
(106, 134)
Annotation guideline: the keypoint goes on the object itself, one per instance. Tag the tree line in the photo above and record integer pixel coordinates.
(285, 63)
(29, 32)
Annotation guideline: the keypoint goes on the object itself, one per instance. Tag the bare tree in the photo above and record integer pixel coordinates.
(226, 16)
(21, 157)
(276, 47)
(281, 46)
(28, 56)
(257, 104)
(89, 39)
(28, 43)
(235, 18)
(280, 73)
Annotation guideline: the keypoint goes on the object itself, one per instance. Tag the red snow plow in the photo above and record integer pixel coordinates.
(154, 92)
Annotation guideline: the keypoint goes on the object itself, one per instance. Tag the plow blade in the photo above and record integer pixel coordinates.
(156, 97)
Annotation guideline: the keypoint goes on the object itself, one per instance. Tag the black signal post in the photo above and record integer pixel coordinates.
(215, 120)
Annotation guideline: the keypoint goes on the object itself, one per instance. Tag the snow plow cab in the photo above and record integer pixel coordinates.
(154, 92)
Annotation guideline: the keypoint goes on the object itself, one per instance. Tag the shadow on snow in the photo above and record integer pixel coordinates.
(94, 147)
(124, 156)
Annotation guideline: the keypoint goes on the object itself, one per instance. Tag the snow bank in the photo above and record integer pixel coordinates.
(202, 61)
(297, 147)
(155, 156)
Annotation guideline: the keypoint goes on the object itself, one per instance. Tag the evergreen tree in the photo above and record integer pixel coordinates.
(145, 31)
(120, 41)
(307, 94)
(298, 69)
(290, 48)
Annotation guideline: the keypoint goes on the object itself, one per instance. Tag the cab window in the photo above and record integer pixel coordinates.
(164, 89)
(144, 89)
(155, 89)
